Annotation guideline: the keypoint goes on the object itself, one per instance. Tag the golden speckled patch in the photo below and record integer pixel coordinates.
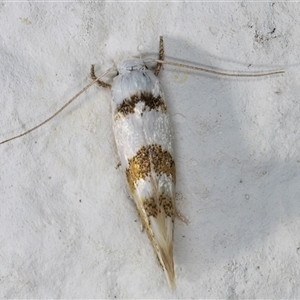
(146, 158)
(151, 207)
(139, 167)
(162, 161)
(150, 102)
(164, 203)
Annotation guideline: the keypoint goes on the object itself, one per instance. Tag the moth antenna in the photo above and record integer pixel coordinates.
(276, 72)
(59, 111)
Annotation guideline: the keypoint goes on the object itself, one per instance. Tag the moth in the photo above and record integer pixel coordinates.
(143, 136)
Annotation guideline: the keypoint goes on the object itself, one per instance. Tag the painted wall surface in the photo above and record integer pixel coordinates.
(68, 228)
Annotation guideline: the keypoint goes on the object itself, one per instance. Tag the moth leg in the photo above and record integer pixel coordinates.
(179, 215)
(161, 55)
(118, 165)
(94, 77)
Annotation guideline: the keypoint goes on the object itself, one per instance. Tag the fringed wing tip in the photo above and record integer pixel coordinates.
(162, 229)
(171, 280)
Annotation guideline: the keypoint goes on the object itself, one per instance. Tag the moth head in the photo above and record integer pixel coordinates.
(127, 66)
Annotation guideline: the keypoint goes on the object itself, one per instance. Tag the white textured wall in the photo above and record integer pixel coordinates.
(67, 226)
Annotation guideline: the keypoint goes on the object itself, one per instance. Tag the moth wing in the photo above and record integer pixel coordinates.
(154, 195)
(144, 141)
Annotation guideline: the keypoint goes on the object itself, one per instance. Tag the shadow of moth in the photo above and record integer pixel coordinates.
(143, 137)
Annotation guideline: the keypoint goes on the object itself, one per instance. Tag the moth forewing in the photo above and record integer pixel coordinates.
(143, 137)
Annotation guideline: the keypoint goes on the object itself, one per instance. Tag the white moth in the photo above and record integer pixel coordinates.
(143, 137)
(144, 140)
